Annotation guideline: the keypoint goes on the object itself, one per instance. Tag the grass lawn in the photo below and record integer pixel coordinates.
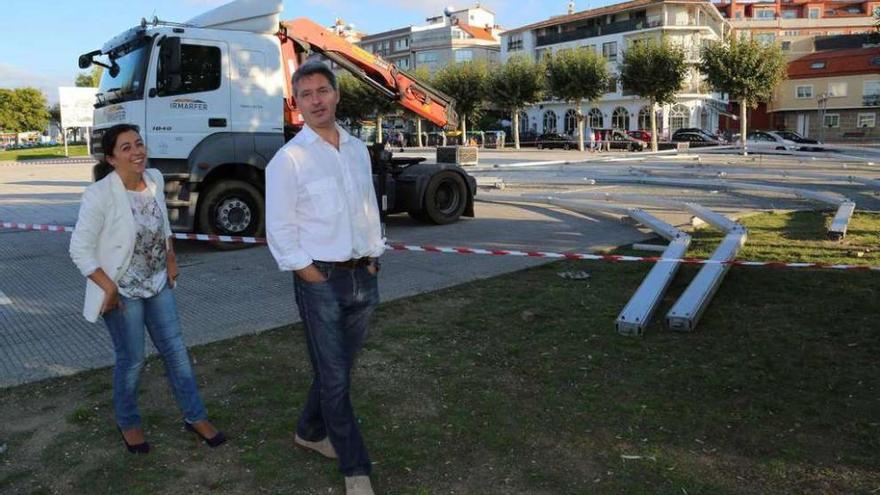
(519, 384)
(40, 153)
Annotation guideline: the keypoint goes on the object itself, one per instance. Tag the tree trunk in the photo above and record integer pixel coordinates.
(419, 132)
(463, 130)
(580, 126)
(378, 128)
(742, 126)
(653, 126)
(516, 128)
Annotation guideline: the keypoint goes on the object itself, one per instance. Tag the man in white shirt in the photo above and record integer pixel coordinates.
(322, 223)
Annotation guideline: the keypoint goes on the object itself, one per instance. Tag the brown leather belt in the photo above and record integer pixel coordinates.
(350, 264)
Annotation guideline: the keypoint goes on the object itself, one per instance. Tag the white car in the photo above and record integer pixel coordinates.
(764, 141)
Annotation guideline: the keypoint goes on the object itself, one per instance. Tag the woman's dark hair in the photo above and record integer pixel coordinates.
(108, 140)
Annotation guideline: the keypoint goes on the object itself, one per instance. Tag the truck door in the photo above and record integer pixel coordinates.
(188, 97)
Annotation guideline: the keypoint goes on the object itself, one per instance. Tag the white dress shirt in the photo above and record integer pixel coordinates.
(320, 202)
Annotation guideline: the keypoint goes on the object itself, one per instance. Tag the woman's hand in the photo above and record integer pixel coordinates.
(171, 264)
(111, 300)
(173, 271)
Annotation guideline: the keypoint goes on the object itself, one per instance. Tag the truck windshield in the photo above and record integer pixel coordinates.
(129, 83)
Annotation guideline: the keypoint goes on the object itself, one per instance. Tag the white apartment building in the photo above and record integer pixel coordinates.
(609, 31)
(459, 35)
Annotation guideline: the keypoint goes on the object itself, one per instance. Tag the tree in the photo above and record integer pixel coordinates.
(466, 82)
(746, 70)
(23, 109)
(576, 75)
(656, 72)
(89, 79)
(516, 84)
(358, 101)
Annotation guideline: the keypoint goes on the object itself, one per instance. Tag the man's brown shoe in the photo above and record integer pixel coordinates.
(323, 446)
(358, 485)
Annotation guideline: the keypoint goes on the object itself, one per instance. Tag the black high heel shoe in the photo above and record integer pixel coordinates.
(140, 448)
(215, 441)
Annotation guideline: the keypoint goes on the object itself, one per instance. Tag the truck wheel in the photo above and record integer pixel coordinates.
(232, 207)
(445, 198)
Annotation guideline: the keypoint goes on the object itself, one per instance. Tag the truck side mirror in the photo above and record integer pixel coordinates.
(169, 67)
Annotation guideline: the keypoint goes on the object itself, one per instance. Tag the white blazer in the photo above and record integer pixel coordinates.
(105, 233)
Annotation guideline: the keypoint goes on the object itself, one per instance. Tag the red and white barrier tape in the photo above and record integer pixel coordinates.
(491, 252)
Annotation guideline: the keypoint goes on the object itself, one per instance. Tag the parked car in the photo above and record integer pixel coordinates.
(641, 135)
(805, 144)
(553, 140)
(696, 140)
(763, 140)
(620, 140)
(694, 130)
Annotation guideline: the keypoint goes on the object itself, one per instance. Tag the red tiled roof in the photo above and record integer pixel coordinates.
(837, 63)
(478, 33)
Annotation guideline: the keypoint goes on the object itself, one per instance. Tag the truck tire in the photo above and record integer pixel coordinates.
(445, 199)
(232, 207)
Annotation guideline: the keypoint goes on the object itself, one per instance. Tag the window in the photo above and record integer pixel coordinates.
(867, 120)
(765, 38)
(792, 33)
(871, 93)
(786, 46)
(464, 55)
(818, 65)
(836, 89)
(804, 91)
(596, 120)
(814, 13)
(609, 51)
(401, 44)
(645, 118)
(765, 14)
(402, 63)
(679, 117)
(612, 84)
(832, 120)
(549, 121)
(523, 122)
(739, 14)
(789, 14)
(426, 57)
(199, 70)
(571, 122)
(515, 42)
(620, 118)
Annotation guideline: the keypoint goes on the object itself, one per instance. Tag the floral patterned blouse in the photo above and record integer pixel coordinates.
(146, 275)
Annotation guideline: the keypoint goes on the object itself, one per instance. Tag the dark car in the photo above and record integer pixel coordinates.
(694, 130)
(553, 140)
(695, 139)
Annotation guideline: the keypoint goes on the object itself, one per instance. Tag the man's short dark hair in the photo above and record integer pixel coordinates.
(311, 68)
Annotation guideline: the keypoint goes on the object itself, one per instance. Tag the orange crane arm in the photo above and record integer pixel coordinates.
(301, 36)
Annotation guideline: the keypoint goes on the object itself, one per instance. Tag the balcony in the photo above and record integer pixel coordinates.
(591, 31)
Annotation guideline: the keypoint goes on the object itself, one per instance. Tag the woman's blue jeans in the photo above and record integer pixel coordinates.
(126, 326)
(335, 314)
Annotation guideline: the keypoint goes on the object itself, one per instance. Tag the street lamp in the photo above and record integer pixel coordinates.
(823, 105)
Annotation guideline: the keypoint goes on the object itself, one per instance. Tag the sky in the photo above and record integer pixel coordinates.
(41, 41)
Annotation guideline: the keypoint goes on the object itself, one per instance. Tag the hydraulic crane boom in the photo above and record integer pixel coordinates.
(300, 37)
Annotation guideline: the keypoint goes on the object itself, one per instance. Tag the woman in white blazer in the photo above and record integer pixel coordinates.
(122, 244)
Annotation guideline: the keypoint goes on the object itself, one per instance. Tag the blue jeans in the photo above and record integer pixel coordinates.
(335, 314)
(126, 327)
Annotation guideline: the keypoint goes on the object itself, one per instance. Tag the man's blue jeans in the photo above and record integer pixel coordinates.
(335, 314)
(126, 326)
